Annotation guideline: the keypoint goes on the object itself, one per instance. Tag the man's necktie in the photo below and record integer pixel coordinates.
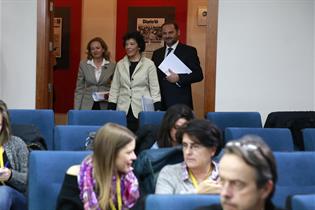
(169, 50)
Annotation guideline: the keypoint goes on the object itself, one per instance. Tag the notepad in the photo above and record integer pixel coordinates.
(172, 62)
(100, 96)
(147, 103)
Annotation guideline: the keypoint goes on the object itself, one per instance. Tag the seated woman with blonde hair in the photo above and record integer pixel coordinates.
(105, 179)
(198, 173)
(13, 165)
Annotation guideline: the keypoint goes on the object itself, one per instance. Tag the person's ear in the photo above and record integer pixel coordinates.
(267, 189)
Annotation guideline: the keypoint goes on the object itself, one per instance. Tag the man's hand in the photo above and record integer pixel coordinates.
(173, 77)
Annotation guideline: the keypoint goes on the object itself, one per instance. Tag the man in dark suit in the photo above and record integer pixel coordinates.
(176, 88)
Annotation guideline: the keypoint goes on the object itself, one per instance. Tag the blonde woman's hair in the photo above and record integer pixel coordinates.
(5, 131)
(109, 140)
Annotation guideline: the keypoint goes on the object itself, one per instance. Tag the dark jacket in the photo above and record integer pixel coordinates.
(181, 93)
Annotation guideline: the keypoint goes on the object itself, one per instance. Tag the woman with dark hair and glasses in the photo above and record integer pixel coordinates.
(248, 175)
(135, 76)
(198, 173)
(94, 77)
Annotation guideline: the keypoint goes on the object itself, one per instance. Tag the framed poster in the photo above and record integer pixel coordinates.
(151, 30)
(148, 21)
(62, 37)
(57, 36)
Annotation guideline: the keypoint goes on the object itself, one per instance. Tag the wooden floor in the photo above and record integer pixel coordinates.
(60, 119)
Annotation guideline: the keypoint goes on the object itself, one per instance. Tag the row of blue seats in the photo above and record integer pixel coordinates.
(44, 119)
(72, 137)
(296, 175)
(278, 139)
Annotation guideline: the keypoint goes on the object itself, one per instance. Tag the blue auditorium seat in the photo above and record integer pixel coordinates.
(303, 202)
(235, 119)
(278, 139)
(180, 202)
(150, 118)
(309, 139)
(46, 173)
(296, 175)
(43, 119)
(72, 137)
(96, 117)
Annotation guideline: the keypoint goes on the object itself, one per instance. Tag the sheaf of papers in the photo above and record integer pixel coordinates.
(100, 96)
(173, 63)
(147, 103)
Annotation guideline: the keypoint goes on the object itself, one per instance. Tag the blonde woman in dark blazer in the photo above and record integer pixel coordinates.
(135, 76)
(94, 76)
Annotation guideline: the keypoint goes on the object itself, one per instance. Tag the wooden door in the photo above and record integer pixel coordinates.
(45, 56)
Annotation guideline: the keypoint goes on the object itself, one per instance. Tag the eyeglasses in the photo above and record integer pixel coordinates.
(249, 147)
(193, 147)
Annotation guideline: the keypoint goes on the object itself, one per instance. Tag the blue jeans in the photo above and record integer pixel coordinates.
(11, 199)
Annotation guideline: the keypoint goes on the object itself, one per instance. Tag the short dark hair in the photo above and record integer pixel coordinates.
(171, 23)
(171, 115)
(106, 53)
(137, 36)
(203, 132)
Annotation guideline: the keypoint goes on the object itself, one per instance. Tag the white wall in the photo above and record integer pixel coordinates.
(18, 52)
(1, 77)
(265, 55)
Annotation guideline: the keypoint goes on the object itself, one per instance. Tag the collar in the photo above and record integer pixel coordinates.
(213, 176)
(91, 62)
(173, 46)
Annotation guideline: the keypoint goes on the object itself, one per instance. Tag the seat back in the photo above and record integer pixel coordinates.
(150, 118)
(45, 175)
(296, 175)
(96, 117)
(278, 139)
(182, 202)
(309, 139)
(43, 119)
(235, 119)
(303, 202)
(296, 121)
(72, 137)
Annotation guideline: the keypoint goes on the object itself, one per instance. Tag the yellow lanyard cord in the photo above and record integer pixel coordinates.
(1, 159)
(118, 193)
(193, 180)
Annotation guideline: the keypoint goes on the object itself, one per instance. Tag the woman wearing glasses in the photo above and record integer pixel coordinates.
(198, 173)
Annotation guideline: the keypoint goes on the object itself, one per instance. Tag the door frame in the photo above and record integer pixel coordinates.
(43, 58)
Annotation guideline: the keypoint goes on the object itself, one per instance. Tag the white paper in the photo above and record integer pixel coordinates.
(147, 103)
(100, 96)
(173, 63)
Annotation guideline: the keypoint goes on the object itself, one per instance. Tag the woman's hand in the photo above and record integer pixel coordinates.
(5, 174)
(209, 187)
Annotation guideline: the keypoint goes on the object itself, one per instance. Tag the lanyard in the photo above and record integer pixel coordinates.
(1, 157)
(193, 179)
(118, 192)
